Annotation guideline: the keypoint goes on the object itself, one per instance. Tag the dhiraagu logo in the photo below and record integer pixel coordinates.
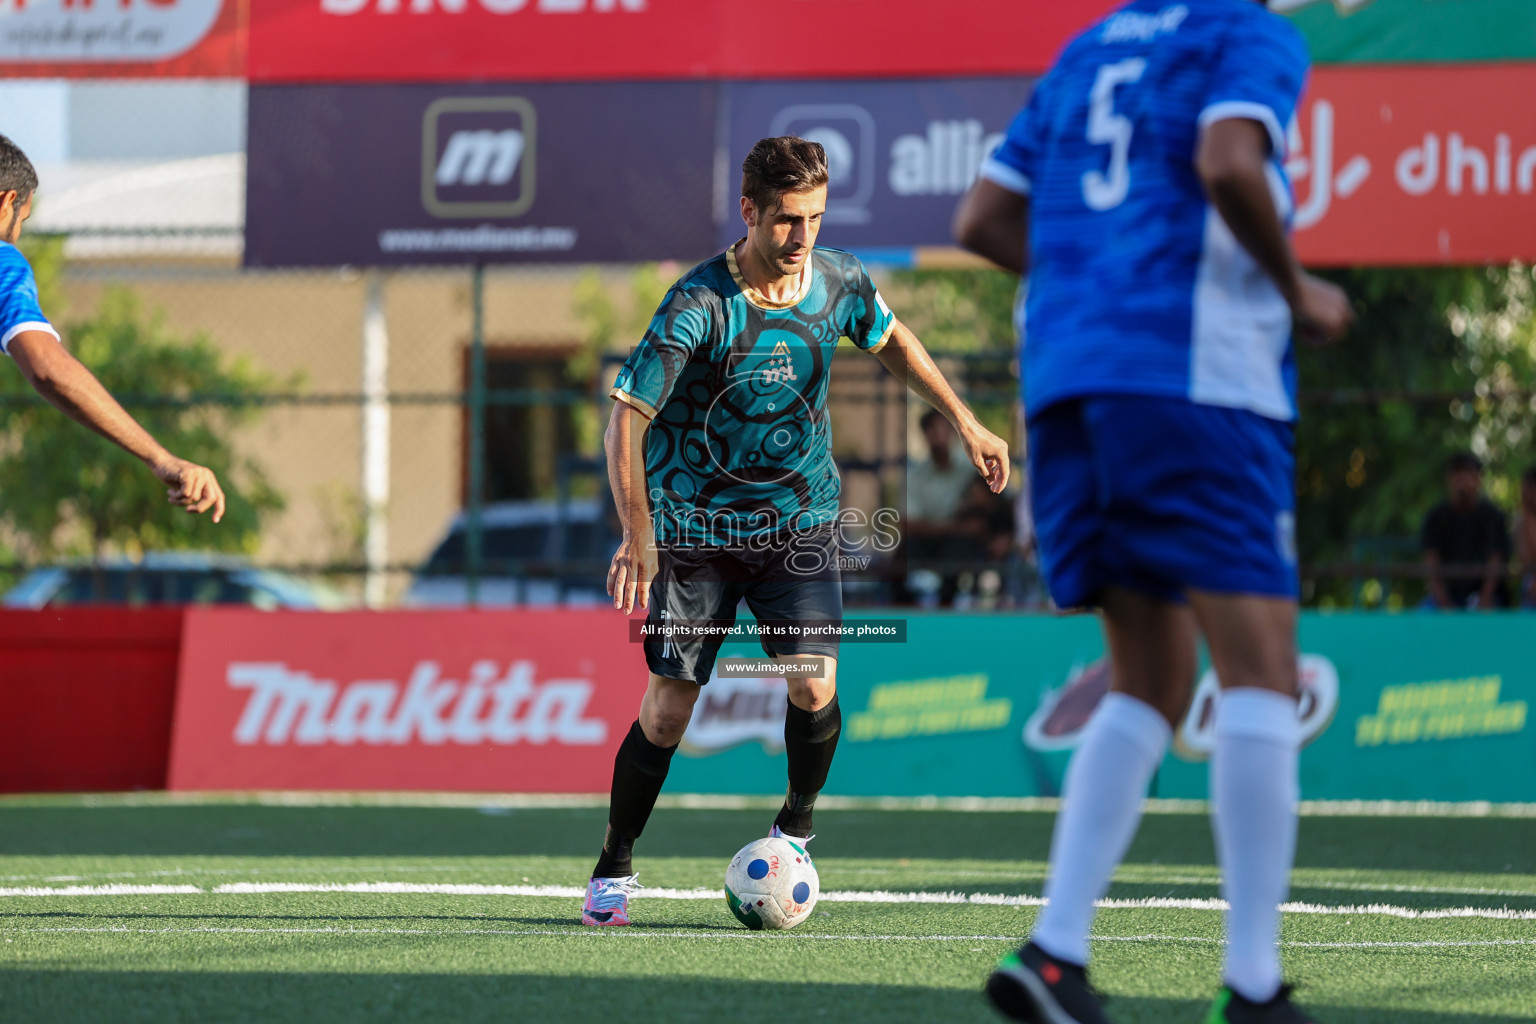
(1450, 709)
(930, 707)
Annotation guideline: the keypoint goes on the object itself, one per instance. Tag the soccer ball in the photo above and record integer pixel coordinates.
(771, 884)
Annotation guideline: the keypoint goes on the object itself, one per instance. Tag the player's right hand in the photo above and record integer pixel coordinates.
(1322, 311)
(989, 454)
(632, 570)
(191, 486)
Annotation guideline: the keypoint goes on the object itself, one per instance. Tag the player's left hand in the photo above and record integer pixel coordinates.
(989, 454)
(191, 486)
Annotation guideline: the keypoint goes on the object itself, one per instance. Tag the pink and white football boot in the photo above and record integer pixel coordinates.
(775, 833)
(607, 903)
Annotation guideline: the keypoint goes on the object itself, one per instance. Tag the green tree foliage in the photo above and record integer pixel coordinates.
(69, 492)
(960, 310)
(966, 313)
(1440, 360)
(610, 325)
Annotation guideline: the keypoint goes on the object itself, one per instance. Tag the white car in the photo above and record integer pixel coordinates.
(170, 577)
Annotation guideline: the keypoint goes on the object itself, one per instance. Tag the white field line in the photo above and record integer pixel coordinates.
(1428, 944)
(877, 897)
(731, 934)
(727, 802)
(1133, 877)
(103, 890)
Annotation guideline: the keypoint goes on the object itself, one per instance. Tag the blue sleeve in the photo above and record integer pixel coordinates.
(1013, 163)
(681, 325)
(19, 309)
(1259, 75)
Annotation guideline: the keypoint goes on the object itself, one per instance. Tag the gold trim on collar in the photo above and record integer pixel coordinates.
(756, 297)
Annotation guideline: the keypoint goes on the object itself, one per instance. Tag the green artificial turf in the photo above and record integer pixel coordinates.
(209, 956)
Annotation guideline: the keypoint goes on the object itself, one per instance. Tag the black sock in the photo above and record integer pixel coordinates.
(639, 769)
(810, 740)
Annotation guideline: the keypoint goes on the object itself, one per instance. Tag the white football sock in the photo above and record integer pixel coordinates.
(1254, 789)
(1101, 807)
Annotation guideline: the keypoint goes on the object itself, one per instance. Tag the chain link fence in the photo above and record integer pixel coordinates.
(435, 435)
(377, 422)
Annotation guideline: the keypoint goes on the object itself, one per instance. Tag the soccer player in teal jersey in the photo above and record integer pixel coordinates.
(719, 454)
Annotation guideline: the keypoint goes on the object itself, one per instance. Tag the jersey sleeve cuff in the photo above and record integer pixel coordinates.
(885, 337)
(1228, 110)
(999, 173)
(645, 408)
(30, 325)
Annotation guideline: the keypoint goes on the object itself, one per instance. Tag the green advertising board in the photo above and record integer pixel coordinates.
(1414, 31)
(1397, 707)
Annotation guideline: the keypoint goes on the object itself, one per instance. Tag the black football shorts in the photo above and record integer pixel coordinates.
(792, 582)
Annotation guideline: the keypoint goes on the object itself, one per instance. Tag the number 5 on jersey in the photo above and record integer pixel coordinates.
(1105, 191)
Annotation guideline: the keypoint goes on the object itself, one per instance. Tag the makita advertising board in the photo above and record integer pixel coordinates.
(374, 175)
(576, 40)
(529, 701)
(900, 154)
(122, 38)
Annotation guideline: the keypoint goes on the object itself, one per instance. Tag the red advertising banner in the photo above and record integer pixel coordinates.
(1423, 165)
(122, 38)
(523, 701)
(87, 694)
(588, 40)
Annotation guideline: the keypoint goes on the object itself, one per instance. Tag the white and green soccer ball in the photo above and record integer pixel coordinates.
(771, 885)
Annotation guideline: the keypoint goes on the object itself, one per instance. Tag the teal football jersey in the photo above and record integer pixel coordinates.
(735, 386)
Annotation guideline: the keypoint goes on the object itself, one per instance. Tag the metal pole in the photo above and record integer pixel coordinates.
(473, 534)
(375, 442)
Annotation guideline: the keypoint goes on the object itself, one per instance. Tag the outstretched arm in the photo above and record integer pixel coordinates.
(907, 359)
(65, 382)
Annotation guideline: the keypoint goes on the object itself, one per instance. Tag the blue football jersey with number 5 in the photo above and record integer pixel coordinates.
(1136, 286)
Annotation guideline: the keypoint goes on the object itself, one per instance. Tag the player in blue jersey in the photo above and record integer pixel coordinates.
(29, 339)
(720, 459)
(1142, 190)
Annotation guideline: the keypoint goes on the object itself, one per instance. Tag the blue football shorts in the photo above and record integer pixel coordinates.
(1160, 495)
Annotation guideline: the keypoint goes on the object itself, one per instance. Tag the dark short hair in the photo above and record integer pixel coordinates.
(1463, 461)
(16, 171)
(780, 165)
(928, 418)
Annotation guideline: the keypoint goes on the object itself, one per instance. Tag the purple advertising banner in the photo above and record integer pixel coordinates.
(900, 153)
(384, 174)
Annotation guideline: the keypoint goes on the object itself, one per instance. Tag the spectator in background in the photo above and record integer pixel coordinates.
(937, 542)
(1466, 542)
(935, 486)
(987, 518)
(1525, 538)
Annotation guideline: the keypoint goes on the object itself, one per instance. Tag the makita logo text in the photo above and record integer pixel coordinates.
(290, 706)
(480, 158)
(489, 6)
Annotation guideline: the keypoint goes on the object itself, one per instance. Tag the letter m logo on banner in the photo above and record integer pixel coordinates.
(478, 156)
